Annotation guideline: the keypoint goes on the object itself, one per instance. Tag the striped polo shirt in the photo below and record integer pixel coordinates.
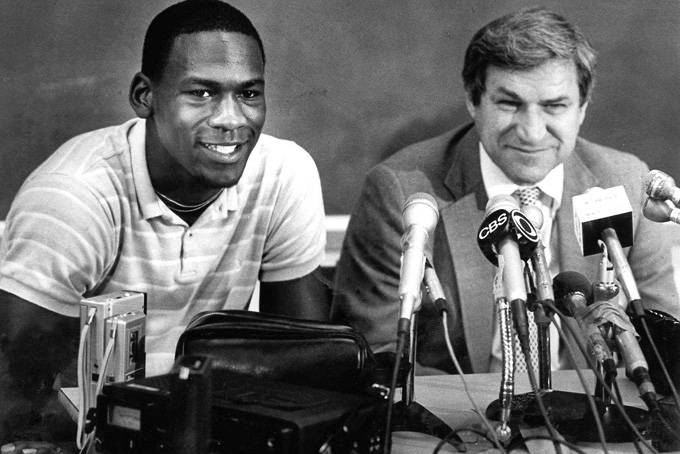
(88, 222)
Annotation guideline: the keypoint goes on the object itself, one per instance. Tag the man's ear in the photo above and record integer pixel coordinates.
(471, 108)
(141, 96)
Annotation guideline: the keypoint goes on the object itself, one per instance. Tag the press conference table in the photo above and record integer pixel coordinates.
(444, 396)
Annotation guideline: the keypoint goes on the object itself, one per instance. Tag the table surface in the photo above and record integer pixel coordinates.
(445, 397)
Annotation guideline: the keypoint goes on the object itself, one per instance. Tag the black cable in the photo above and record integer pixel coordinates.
(539, 399)
(637, 446)
(401, 341)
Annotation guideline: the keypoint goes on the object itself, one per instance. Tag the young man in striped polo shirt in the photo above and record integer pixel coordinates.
(188, 203)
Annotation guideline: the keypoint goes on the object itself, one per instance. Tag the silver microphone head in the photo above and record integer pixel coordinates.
(501, 201)
(534, 214)
(658, 184)
(657, 210)
(421, 209)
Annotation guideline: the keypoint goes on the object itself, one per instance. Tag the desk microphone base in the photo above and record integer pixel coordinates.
(571, 416)
(416, 418)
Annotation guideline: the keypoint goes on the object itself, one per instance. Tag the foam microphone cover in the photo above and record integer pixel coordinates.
(568, 283)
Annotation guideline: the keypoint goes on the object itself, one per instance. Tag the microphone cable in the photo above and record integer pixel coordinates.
(84, 387)
(402, 332)
(452, 354)
(539, 400)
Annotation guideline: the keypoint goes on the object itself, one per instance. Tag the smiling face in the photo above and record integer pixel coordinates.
(206, 112)
(528, 120)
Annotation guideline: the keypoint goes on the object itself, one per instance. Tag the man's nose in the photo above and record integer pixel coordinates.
(531, 126)
(227, 114)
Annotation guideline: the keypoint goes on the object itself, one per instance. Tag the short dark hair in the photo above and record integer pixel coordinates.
(524, 40)
(190, 16)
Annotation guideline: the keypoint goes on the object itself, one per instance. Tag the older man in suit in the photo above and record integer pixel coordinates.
(528, 77)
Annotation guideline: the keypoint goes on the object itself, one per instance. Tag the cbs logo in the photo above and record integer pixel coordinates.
(493, 225)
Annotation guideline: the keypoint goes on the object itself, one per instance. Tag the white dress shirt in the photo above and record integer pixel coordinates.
(497, 183)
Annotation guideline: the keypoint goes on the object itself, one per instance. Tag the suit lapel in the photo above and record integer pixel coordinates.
(472, 271)
(474, 278)
(577, 179)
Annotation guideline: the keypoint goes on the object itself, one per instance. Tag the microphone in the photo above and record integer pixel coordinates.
(419, 219)
(606, 295)
(543, 279)
(434, 288)
(660, 185)
(657, 210)
(572, 294)
(606, 216)
(507, 237)
(544, 294)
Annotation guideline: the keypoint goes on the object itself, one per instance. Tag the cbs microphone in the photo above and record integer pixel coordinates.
(507, 238)
(660, 185)
(419, 219)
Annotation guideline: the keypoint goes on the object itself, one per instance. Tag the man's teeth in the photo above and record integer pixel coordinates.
(223, 149)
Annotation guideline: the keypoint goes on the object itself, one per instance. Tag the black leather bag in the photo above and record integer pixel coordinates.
(309, 353)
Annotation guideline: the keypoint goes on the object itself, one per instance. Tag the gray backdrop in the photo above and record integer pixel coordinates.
(351, 81)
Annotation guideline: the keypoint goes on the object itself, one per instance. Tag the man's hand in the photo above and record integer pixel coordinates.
(36, 344)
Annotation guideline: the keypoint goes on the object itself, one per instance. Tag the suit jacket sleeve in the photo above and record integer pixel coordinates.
(367, 274)
(654, 259)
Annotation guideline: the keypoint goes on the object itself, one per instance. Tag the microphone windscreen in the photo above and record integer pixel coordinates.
(534, 214)
(658, 184)
(569, 283)
(501, 201)
(657, 210)
(420, 208)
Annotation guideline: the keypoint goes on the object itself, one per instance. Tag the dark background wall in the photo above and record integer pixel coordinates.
(351, 81)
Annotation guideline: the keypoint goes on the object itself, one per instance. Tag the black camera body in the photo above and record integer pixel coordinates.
(220, 411)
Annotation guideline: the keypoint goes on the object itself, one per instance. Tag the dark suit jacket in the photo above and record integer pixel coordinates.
(447, 167)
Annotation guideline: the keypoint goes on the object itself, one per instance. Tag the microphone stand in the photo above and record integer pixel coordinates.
(409, 415)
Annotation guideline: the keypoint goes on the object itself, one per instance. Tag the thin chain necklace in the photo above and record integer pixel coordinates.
(181, 208)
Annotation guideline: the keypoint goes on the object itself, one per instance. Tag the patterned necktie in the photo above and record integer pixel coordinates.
(528, 196)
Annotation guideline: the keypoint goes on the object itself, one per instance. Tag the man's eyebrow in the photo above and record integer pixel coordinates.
(212, 83)
(252, 82)
(506, 92)
(514, 95)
